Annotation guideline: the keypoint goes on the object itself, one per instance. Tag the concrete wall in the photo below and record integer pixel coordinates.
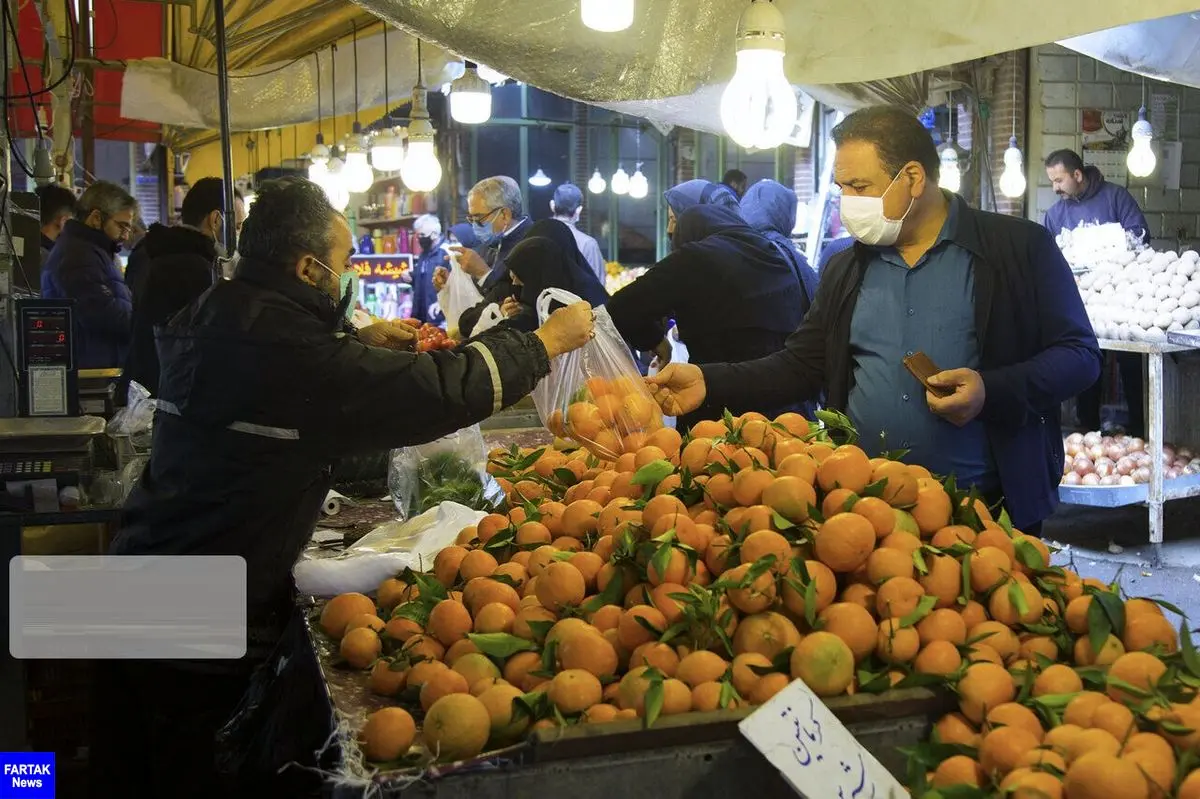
(1062, 83)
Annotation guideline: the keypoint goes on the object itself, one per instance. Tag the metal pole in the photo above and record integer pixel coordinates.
(226, 138)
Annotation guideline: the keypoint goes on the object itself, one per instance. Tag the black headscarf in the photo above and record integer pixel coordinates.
(549, 258)
(717, 238)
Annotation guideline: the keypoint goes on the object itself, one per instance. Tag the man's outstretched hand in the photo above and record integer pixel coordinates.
(678, 388)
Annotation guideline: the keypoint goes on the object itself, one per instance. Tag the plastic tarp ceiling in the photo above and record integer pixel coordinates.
(1165, 49)
(670, 65)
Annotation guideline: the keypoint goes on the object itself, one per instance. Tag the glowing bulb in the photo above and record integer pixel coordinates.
(335, 185)
(387, 151)
(357, 174)
(639, 187)
(320, 153)
(597, 184)
(539, 179)
(470, 98)
(620, 181)
(758, 107)
(318, 171)
(1012, 180)
(421, 170)
(1141, 160)
(607, 16)
(951, 177)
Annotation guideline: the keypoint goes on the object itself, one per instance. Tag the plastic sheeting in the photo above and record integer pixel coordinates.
(158, 90)
(1166, 49)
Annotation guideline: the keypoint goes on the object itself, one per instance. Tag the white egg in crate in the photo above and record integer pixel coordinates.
(1131, 292)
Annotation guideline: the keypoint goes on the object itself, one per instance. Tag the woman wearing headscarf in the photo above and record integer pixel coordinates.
(463, 233)
(548, 258)
(732, 295)
(770, 208)
(691, 193)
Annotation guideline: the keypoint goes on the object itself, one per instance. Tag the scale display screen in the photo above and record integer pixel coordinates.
(46, 336)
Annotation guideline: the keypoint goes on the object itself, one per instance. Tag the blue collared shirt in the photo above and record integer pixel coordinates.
(928, 308)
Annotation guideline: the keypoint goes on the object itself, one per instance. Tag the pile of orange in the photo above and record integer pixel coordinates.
(608, 417)
(707, 572)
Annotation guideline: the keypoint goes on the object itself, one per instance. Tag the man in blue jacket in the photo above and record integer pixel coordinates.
(1086, 197)
(82, 267)
(988, 297)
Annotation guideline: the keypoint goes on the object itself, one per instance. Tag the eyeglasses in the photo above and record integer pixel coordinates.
(124, 227)
(477, 219)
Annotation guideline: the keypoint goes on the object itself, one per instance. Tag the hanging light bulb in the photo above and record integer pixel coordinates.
(421, 170)
(470, 97)
(319, 170)
(607, 16)
(639, 187)
(597, 184)
(758, 108)
(387, 150)
(334, 183)
(951, 177)
(1012, 180)
(539, 179)
(357, 175)
(1141, 160)
(620, 181)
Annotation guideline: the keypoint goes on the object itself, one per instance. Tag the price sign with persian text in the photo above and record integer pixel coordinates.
(814, 751)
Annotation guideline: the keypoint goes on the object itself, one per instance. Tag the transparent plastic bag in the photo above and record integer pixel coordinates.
(459, 294)
(451, 469)
(596, 395)
(136, 419)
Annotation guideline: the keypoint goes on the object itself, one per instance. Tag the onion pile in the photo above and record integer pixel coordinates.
(1132, 293)
(1093, 459)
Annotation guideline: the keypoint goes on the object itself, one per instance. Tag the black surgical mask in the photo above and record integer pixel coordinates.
(426, 243)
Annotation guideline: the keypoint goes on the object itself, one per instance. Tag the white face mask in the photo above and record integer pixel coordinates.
(864, 218)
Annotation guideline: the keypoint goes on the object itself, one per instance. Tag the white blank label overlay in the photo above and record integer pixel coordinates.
(47, 391)
(127, 607)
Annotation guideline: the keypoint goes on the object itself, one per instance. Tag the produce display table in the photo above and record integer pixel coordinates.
(681, 756)
(1157, 492)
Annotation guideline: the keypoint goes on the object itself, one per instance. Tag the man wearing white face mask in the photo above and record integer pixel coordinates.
(987, 297)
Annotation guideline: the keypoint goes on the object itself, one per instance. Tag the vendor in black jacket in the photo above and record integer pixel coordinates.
(263, 389)
(988, 297)
(496, 213)
(170, 268)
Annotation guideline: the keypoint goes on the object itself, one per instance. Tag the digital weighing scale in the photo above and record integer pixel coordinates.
(47, 378)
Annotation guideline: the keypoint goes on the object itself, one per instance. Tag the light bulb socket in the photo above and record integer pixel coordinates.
(1142, 129)
(1012, 142)
(43, 170)
(762, 27)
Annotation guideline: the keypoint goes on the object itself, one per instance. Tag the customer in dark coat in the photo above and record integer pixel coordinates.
(770, 208)
(428, 230)
(548, 258)
(83, 267)
(731, 294)
(170, 269)
(497, 216)
(691, 193)
(264, 388)
(57, 205)
(999, 312)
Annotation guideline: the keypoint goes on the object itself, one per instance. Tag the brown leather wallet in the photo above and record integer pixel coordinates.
(922, 368)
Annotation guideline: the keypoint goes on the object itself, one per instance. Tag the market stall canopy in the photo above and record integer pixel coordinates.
(676, 51)
(126, 31)
(1166, 49)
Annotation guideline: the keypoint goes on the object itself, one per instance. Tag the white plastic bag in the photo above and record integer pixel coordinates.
(596, 395)
(384, 552)
(490, 317)
(451, 468)
(459, 294)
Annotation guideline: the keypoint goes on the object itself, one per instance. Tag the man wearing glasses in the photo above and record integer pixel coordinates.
(496, 214)
(82, 267)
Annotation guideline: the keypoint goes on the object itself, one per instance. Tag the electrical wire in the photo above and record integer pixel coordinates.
(37, 123)
(20, 159)
(66, 71)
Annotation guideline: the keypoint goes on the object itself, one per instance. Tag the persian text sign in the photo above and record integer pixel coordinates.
(29, 775)
(814, 751)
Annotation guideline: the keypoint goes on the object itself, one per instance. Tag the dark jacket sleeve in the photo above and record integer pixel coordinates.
(394, 399)
(640, 310)
(1130, 215)
(501, 290)
(794, 374)
(101, 298)
(1069, 360)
